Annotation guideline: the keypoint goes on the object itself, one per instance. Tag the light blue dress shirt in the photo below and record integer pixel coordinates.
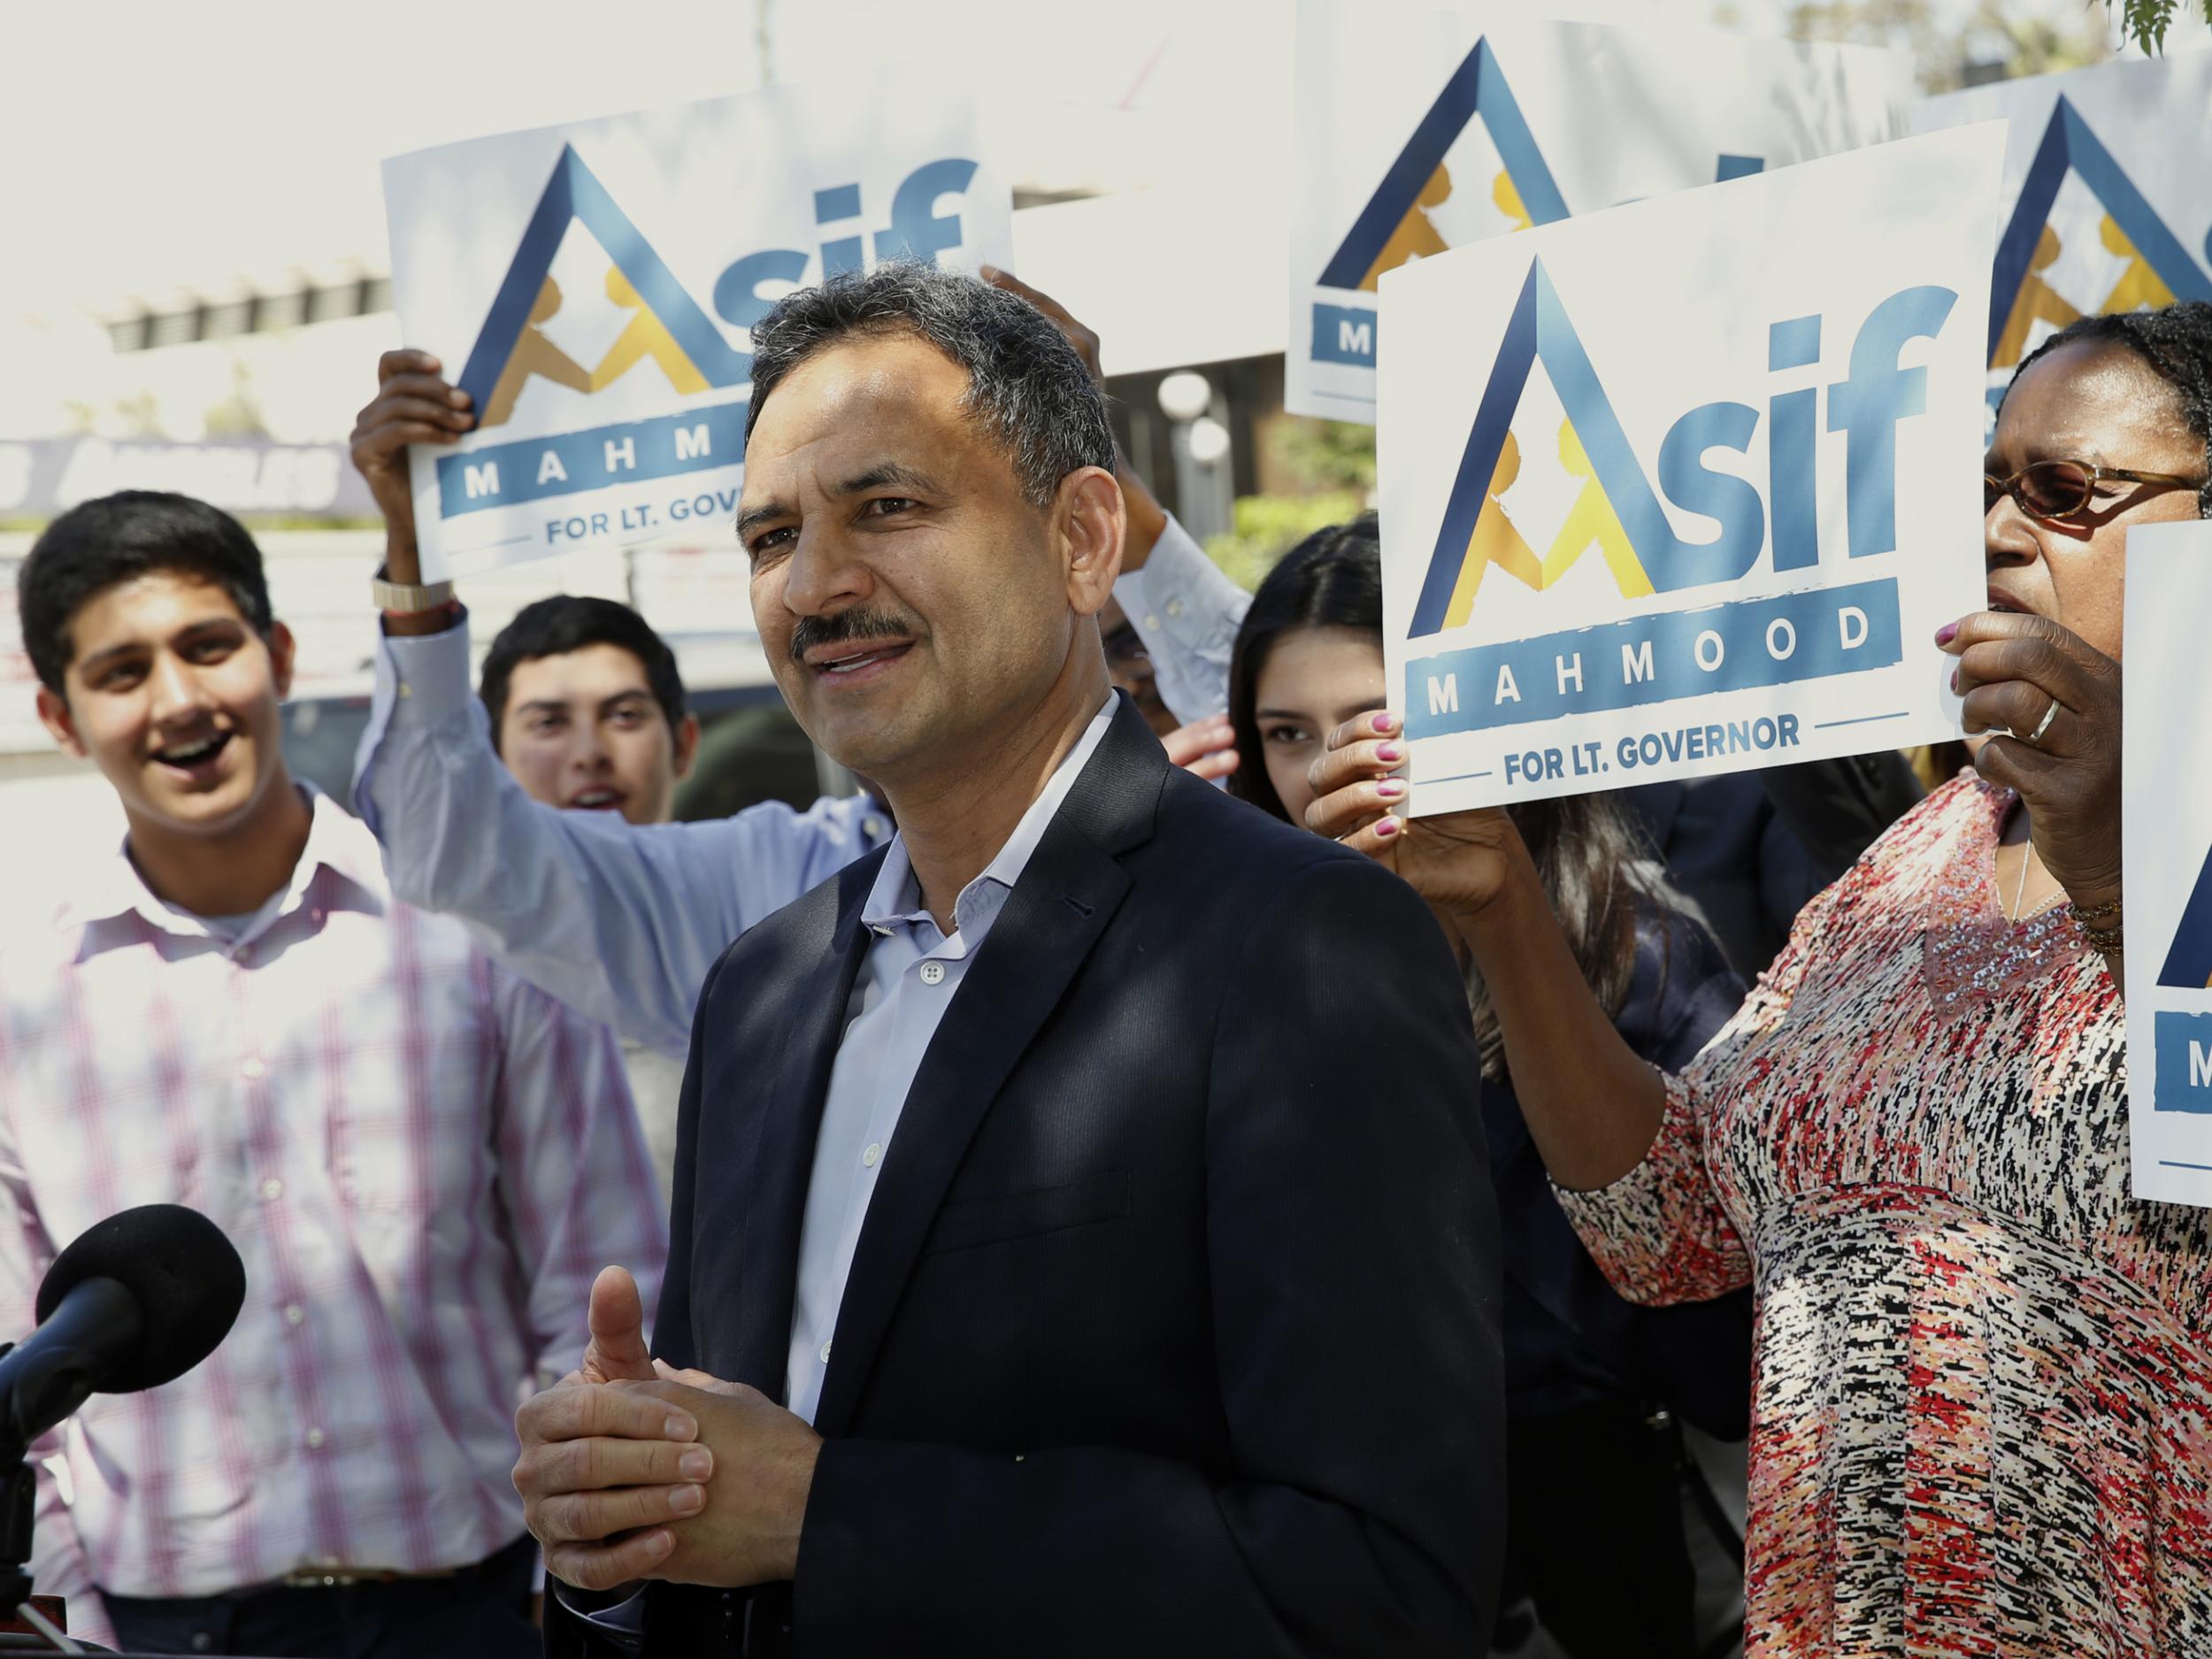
(911, 974)
(622, 922)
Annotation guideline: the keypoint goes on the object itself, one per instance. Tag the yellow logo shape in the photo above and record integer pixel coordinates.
(534, 354)
(1590, 520)
(1415, 235)
(2138, 286)
(645, 335)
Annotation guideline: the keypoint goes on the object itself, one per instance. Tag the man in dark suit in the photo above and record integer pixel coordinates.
(1086, 1248)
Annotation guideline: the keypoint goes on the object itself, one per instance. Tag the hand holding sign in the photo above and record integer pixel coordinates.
(413, 403)
(1459, 862)
(2053, 702)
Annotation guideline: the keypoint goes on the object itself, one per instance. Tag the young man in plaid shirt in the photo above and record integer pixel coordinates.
(422, 1160)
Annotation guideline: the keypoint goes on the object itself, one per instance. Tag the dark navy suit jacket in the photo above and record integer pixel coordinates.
(1174, 1325)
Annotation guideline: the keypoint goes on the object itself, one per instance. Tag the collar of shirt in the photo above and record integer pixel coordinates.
(894, 902)
(335, 841)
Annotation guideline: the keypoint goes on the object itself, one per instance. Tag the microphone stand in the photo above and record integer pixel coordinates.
(33, 1632)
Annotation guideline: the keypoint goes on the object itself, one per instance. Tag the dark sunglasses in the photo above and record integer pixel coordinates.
(2063, 489)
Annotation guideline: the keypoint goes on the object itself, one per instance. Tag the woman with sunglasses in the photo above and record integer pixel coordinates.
(1983, 1411)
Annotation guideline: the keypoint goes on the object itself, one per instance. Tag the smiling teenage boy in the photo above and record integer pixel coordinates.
(421, 1158)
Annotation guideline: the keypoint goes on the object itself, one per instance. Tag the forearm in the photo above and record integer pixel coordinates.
(1592, 1106)
(583, 909)
(1041, 1542)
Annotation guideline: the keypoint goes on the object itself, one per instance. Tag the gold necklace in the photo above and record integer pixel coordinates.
(2020, 887)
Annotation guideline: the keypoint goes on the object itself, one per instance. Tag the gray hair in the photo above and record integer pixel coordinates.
(1026, 386)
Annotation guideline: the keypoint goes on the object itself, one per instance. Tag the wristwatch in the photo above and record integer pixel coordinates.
(408, 599)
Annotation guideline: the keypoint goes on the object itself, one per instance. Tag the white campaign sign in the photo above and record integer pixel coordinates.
(2166, 849)
(594, 287)
(1688, 486)
(2107, 200)
(1422, 130)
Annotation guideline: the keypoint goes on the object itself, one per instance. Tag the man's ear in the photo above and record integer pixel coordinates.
(686, 746)
(282, 650)
(1091, 516)
(53, 714)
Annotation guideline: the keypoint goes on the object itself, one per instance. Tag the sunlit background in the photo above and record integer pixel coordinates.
(195, 253)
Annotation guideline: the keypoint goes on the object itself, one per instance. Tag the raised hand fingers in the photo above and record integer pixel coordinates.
(2017, 708)
(590, 1518)
(1358, 750)
(406, 360)
(590, 1412)
(1361, 806)
(601, 1566)
(600, 1463)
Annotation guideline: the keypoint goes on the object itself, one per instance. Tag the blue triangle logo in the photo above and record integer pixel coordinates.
(575, 192)
(2070, 146)
(1478, 88)
(2189, 960)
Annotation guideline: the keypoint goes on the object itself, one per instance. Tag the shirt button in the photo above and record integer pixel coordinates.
(315, 1438)
(868, 1158)
(202, 1641)
(273, 1189)
(826, 1349)
(253, 1066)
(932, 973)
(243, 954)
(1152, 622)
(293, 1314)
(1175, 607)
(871, 827)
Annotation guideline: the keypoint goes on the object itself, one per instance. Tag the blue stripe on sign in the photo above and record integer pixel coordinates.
(2183, 1045)
(1771, 641)
(538, 469)
(1344, 334)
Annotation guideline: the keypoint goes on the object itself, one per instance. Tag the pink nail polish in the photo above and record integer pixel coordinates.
(1387, 827)
(1954, 680)
(1949, 632)
(1391, 789)
(1390, 752)
(1383, 723)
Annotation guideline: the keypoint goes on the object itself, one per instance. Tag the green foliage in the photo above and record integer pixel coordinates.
(1268, 527)
(2147, 21)
(1327, 454)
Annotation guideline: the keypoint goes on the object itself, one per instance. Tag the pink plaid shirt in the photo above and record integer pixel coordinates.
(423, 1161)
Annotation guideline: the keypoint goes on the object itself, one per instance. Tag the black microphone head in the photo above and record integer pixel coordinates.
(185, 1275)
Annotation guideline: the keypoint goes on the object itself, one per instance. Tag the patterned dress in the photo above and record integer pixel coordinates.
(1983, 1390)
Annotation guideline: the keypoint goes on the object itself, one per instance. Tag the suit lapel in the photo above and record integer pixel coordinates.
(1059, 908)
(791, 1092)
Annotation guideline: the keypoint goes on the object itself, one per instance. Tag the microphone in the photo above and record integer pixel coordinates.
(136, 1300)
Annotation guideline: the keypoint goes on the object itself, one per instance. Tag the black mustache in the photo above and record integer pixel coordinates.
(846, 627)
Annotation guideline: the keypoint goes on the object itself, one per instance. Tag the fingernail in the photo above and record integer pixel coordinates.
(458, 397)
(696, 1465)
(688, 1500)
(1383, 723)
(678, 1428)
(1949, 632)
(1389, 751)
(1954, 680)
(1391, 789)
(1386, 828)
(660, 1543)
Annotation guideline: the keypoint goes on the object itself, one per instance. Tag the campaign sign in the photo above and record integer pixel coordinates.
(1688, 487)
(2166, 849)
(2107, 200)
(1420, 131)
(594, 287)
